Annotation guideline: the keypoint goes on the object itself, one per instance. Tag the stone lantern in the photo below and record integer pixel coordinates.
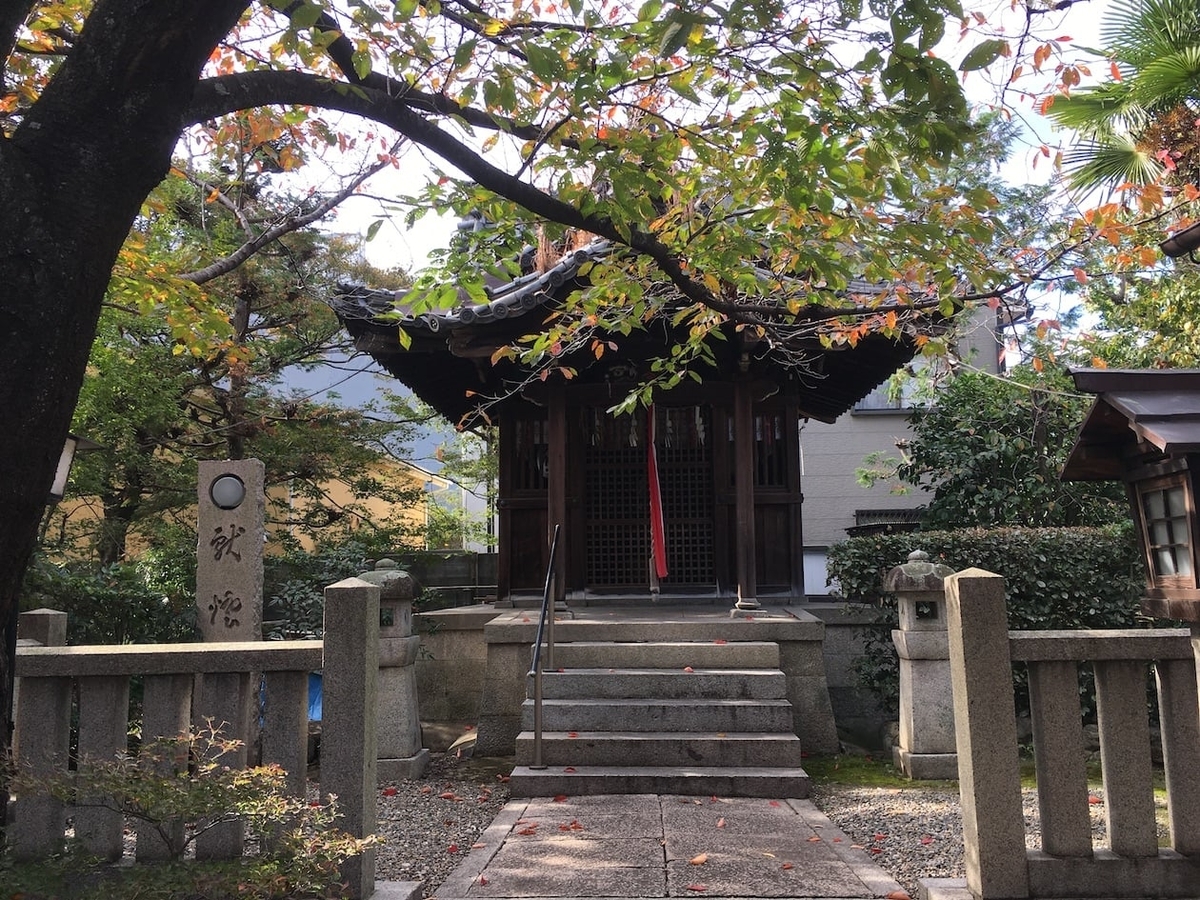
(398, 722)
(927, 742)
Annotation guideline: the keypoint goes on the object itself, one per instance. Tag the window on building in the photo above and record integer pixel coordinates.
(1167, 531)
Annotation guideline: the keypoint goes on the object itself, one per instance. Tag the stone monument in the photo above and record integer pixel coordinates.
(229, 550)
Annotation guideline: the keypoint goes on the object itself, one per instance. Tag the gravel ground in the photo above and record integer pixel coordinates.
(429, 823)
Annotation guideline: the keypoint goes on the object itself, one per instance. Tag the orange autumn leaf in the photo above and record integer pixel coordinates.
(697, 887)
(699, 860)
(787, 866)
(814, 840)
(898, 895)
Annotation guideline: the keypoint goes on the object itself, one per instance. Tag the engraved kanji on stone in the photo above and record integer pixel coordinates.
(222, 542)
(227, 605)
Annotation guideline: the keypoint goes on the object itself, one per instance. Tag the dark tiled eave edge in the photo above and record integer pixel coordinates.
(512, 298)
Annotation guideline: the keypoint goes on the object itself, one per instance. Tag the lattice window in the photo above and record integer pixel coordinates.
(618, 500)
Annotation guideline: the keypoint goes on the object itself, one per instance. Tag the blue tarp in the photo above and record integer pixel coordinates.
(315, 693)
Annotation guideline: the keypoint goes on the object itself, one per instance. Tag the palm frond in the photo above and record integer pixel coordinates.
(1102, 109)
(1109, 162)
(1142, 30)
(1169, 80)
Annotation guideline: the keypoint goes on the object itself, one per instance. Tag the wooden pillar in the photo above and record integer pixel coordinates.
(743, 469)
(556, 489)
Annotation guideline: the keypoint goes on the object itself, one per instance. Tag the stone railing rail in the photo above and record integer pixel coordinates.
(1132, 865)
(190, 684)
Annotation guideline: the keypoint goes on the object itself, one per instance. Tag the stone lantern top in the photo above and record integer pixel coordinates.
(918, 574)
(393, 582)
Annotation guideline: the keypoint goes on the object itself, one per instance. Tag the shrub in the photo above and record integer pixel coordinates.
(114, 604)
(1053, 578)
(299, 848)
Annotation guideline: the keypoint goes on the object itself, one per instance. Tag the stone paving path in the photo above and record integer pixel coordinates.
(647, 845)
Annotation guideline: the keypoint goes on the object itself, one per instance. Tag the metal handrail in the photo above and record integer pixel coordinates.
(536, 669)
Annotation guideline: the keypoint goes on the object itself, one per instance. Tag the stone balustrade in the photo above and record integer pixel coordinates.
(187, 684)
(999, 863)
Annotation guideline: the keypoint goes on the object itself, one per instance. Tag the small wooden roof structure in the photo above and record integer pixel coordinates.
(448, 363)
(1152, 409)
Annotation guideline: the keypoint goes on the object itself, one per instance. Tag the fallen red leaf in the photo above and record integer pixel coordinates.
(389, 792)
(714, 799)
(449, 795)
(898, 895)
(773, 803)
(697, 887)
(720, 641)
(787, 866)
(880, 836)
(562, 670)
(478, 846)
(814, 840)
(688, 669)
(927, 839)
(483, 879)
(721, 822)
(525, 618)
(532, 829)
(453, 848)
(837, 840)
(503, 779)
(1093, 799)
(569, 769)
(560, 798)
(575, 826)
(572, 734)
(876, 849)
(426, 789)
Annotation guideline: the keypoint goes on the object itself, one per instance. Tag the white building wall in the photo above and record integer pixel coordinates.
(831, 454)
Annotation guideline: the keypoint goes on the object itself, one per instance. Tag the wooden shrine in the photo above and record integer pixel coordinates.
(726, 451)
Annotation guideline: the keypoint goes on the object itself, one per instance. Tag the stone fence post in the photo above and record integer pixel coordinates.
(986, 730)
(348, 727)
(926, 706)
(399, 723)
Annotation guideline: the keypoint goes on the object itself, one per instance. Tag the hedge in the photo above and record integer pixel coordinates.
(1053, 578)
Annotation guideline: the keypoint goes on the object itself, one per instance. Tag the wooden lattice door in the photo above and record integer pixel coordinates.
(617, 497)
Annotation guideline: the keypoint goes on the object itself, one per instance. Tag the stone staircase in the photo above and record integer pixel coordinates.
(669, 716)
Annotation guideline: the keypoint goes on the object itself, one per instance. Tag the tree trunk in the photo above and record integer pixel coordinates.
(72, 178)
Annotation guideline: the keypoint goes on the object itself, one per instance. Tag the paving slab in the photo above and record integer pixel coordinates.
(637, 847)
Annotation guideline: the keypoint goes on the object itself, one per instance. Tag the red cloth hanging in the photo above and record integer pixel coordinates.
(658, 534)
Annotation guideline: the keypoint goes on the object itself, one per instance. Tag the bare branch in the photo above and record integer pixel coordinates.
(286, 226)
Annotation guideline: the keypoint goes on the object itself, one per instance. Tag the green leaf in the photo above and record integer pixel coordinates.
(373, 229)
(983, 55)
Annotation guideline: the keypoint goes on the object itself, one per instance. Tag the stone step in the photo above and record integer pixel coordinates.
(656, 748)
(648, 714)
(666, 655)
(665, 684)
(729, 781)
